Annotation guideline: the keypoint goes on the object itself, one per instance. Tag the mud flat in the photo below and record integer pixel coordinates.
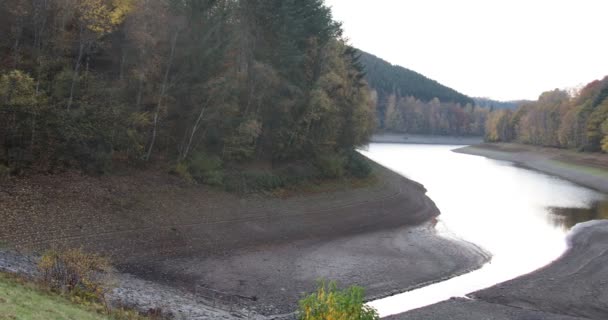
(425, 139)
(185, 245)
(573, 287)
(587, 169)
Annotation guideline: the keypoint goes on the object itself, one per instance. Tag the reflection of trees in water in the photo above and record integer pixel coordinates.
(567, 218)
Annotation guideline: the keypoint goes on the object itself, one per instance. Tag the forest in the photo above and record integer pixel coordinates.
(408, 102)
(191, 84)
(557, 119)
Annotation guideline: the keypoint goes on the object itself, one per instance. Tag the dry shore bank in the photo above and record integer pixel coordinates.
(424, 139)
(187, 246)
(573, 287)
(587, 169)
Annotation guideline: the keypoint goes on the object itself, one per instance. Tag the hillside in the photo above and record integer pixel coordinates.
(200, 86)
(494, 104)
(408, 102)
(386, 78)
(557, 119)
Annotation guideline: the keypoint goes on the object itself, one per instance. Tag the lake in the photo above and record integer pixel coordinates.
(521, 217)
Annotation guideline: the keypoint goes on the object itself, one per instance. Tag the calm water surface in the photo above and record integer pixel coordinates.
(520, 216)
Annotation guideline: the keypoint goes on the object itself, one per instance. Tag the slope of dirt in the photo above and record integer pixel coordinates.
(573, 287)
(259, 252)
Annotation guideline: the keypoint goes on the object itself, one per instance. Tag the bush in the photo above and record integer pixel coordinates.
(249, 182)
(252, 181)
(75, 272)
(206, 169)
(358, 165)
(181, 170)
(5, 172)
(330, 303)
(331, 165)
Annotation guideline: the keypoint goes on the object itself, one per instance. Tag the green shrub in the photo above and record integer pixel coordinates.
(181, 170)
(73, 271)
(250, 182)
(5, 172)
(331, 165)
(328, 302)
(206, 169)
(358, 165)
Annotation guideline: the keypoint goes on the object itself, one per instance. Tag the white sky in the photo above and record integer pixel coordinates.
(502, 49)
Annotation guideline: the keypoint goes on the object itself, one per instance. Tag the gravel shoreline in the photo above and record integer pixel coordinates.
(188, 249)
(573, 287)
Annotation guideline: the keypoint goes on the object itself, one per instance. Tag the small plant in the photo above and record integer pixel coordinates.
(181, 170)
(83, 275)
(328, 302)
(206, 169)
(358, 165)
(331, 165)
(5, 172)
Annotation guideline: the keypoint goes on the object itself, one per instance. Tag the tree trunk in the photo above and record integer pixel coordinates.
(163, 89)
(195, 128)
(76, 70)
(122, 65)
(139, 92)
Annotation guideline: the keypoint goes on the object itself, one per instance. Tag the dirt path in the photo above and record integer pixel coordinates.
(587, 169)
(573, 287)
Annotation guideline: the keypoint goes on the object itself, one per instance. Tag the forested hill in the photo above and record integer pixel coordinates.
(557, 119)
(387, 78)
(494, 104)
(196, 84)
(409, 102)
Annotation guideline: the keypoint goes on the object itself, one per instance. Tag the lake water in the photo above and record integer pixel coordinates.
(520, 216)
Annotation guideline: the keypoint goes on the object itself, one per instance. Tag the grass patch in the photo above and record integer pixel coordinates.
(24, 301)
(329, 302)
(21, 299)
(583, 168)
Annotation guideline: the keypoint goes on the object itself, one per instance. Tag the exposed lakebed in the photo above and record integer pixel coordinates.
(520, 216)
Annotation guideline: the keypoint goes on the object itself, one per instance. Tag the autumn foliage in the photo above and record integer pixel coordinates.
(557, 119)
(92, 84)
(330, 303)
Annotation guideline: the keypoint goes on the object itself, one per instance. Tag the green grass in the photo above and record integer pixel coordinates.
(583, 168)
(23, 301)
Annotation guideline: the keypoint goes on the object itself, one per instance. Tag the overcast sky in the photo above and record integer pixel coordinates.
(502, 49)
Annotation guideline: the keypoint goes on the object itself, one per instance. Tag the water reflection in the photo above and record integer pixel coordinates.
(520, 216)
(566, 218)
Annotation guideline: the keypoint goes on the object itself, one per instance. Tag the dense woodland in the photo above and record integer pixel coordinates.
(557, 119)
(494, 104)
(197, 84)
(414, 116)
(409, 102)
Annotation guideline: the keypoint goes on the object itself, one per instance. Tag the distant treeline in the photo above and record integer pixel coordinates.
(411, 115)
(493, 104)
(409, 102)
(557, 119)
(91, 83)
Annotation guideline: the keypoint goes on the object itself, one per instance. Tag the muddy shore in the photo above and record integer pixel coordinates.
(425, 139)
(573, 287)
(191, 247)
(586, 169)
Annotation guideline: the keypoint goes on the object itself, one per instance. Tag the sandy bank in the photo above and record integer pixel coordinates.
(185, 245)
(425, 139)
(590, 170)
(573, 287)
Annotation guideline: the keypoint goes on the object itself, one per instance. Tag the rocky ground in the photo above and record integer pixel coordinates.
(573, 287)
(188, 248)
